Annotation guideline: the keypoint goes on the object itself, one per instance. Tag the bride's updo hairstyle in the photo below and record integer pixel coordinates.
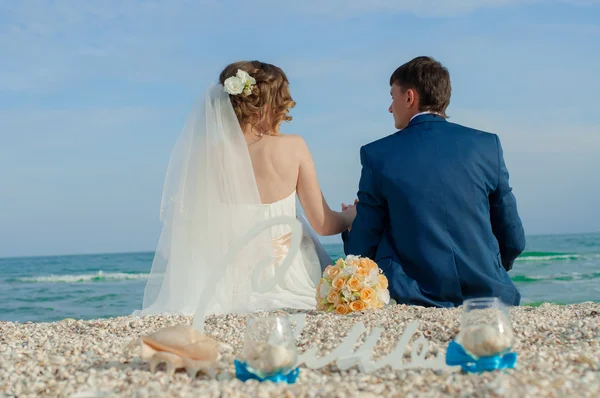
(268, 103)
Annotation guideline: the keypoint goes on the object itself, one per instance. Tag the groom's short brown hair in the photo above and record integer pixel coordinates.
(430, 79)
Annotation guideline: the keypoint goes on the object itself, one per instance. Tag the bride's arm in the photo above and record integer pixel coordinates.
(323, 220)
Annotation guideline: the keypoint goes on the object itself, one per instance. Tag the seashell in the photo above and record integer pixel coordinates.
(279, 357)
(485, 340)
(181, 347)
(268, 359)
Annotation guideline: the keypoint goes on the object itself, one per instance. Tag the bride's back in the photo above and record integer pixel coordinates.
(260, 96)
(275, 166)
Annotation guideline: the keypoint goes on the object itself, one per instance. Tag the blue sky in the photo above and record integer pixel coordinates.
(93, 96)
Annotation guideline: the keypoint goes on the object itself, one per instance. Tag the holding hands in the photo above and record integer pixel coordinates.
(346, 207)
(350, 212)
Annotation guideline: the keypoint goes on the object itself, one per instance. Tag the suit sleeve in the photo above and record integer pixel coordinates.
(371, 214)
(506, 223)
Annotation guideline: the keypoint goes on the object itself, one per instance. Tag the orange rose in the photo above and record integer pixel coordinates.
(364, 263)
(326, 271)
(383, 282)
(334, 296)
(367, 294)
(358, 306)
(338, 283)
(373, 264)
(362, 272)
(341, 309)
(355, 262)
(333, 272)
(354, 283)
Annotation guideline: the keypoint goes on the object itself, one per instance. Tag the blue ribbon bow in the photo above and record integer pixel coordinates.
(243, 373)
(456, 355)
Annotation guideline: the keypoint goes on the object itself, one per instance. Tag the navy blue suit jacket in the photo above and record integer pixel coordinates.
(437, 214)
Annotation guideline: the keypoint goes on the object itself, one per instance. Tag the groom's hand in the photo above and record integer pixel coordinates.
(345, 206)
(350, 209)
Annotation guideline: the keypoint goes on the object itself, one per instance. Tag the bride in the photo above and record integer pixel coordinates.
(230, 170)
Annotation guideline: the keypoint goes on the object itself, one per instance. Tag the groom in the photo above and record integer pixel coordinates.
(435, 209)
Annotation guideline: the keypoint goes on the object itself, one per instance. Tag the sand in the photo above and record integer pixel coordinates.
(558, 347)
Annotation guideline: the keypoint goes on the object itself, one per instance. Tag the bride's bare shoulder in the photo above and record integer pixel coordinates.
(294, 144)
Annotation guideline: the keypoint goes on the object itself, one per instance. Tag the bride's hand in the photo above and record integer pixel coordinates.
(349, 212)
(345, 206)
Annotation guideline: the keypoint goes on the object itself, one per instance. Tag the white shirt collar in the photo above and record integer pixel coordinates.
(422, 113)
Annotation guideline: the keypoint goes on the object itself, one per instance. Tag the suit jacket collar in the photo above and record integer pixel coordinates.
(429, 117)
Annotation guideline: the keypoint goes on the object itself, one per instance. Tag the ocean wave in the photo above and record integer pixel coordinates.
(555, 278)
(98, 277)
(549, 256)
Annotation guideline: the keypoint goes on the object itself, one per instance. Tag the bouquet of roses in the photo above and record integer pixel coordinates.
(352, 284)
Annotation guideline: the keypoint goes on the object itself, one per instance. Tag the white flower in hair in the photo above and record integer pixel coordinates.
(242, 82)
(233, 85)
(245, 77)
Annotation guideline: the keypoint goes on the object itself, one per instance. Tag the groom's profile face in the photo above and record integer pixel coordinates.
(402, 102)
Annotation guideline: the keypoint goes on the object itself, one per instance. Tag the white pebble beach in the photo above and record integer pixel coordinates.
(558, 348)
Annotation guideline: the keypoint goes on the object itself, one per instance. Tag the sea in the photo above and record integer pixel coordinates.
(560, 269)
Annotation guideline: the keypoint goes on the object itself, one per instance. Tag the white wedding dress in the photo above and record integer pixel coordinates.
(210, 203)
(298, 288)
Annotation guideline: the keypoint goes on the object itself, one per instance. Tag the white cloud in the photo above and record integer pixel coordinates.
(551, 131)
(49, 44)
(424, 8)
(569, 28)
(431, 8)
(67, 129)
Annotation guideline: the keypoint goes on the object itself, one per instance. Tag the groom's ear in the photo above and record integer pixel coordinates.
(411, 96)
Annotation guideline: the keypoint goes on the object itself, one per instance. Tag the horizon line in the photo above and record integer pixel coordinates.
(153, 251)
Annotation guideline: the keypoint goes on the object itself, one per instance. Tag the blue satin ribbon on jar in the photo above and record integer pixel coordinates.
(243, 373)
(457, 356)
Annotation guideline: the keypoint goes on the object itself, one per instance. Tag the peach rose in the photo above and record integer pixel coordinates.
(339, 262)
(383, 282)
(354, 283)
(354, 262)
(367, 294)
(367, 263)
(334, 296)
(358, 306)
(333, 272)
(341, 309)
(362, 272)
(338, 283)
